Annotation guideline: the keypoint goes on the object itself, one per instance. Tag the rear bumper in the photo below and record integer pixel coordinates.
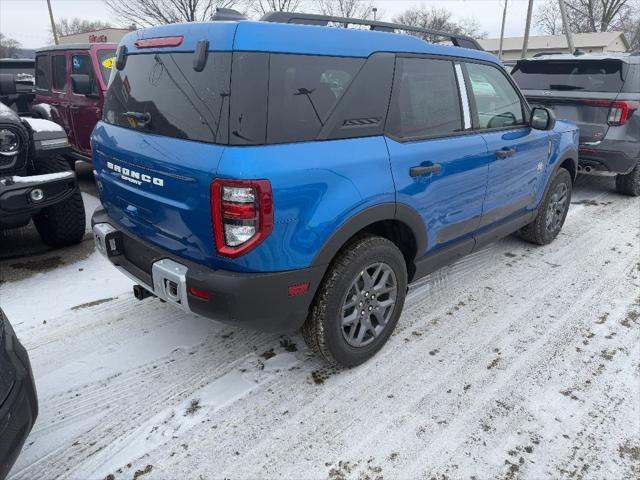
(272, 302)
(23, 197)
(606, 158)
(20, 409)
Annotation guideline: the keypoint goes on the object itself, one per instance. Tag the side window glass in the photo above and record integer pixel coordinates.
(497, 102)
(42, 72)
(303, 90)
(59, 72)
(81, 64)
(425, 100)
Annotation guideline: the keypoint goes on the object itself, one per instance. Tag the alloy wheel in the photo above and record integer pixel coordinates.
(369, 304)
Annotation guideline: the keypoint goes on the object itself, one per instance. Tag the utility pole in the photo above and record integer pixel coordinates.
(504, 20)
(567, 28)
(527, 28)
(53, 24)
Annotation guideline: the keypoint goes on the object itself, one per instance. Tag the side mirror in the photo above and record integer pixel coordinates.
(7, 84)
(542, 119)
(81, 84)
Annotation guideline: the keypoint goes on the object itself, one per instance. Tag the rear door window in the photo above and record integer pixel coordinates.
(425, 100)
(303, 91)
(59, 72)
(42, 72)
(497, 102)
(573, 75)
(161, 93)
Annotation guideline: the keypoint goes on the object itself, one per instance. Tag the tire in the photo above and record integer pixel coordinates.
(629, 184)
(367, 257)
(552, 211)
(64, 223)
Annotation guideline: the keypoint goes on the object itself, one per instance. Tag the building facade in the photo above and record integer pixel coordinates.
(588, 42)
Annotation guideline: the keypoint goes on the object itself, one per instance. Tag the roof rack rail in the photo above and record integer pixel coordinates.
(544, 54)
(324, 20)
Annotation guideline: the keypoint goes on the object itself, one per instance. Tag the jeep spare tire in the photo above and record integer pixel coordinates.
(64, 223)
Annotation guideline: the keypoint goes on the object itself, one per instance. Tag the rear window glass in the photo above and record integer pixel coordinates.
(425, 101)
(591, 76)
(106, 60)
(632, 80)
(303, 90)
(59, 72)
(161, 93)
(42, 72)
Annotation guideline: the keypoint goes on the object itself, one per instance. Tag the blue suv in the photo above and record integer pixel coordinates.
(286, 174)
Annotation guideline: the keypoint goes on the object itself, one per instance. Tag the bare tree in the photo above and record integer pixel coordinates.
(584, 15)
(8, 46)
(260, 7)
(438, 19)
(66, 26)
(157, 12)
(347, 8)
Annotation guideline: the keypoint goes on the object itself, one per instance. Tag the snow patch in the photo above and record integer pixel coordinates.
(41, 125)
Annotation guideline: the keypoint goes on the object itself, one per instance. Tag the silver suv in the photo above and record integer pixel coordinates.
(601, 94)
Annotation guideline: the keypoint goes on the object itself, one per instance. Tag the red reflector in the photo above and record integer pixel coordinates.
(240, 211)
(586, 150)
(203, 294)
(159, 42)
(299, 289)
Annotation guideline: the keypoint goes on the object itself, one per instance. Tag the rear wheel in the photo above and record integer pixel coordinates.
(629, 184)
(64, 223)
(359, 302)
(552, 211)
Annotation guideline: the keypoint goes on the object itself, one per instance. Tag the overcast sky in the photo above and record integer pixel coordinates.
(28, 20)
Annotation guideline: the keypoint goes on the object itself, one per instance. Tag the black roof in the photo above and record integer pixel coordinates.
(70, 46)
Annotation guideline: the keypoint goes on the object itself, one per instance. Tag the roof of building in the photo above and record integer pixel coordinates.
(580, 40)
(128, 29)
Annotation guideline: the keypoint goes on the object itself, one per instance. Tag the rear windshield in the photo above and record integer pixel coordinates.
(591, 76)
(106, 60)
(161, 93)
(264, 99)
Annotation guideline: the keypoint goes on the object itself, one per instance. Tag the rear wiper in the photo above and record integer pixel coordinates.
(564, 87)
(143, 119)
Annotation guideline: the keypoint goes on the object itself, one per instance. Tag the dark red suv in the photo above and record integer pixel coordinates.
(71, 81)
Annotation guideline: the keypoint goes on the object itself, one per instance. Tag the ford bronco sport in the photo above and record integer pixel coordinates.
(601, 94)
(71, 81)
(280, 175)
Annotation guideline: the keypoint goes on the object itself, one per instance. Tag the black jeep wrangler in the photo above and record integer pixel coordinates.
(35, 179)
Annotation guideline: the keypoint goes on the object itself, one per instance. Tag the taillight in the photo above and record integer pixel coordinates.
(619, 111)
(158, 42)
(242, 215)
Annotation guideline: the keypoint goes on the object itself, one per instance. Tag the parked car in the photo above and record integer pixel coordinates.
(71, 81)
(18, 399)
(601, 94)
(22, 72)
(35, 180)
(280, 176)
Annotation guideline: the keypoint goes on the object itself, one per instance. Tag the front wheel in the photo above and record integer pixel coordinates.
(552, 211)
(629, 184)
(359, 302)
(64, 223)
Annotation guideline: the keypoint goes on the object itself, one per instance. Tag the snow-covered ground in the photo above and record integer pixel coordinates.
(516, 362)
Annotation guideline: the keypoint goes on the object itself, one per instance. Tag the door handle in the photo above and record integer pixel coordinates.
(505, 153)
(74, 107)
(419, 171)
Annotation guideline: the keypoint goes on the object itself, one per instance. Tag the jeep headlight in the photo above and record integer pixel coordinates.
(9, 143)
